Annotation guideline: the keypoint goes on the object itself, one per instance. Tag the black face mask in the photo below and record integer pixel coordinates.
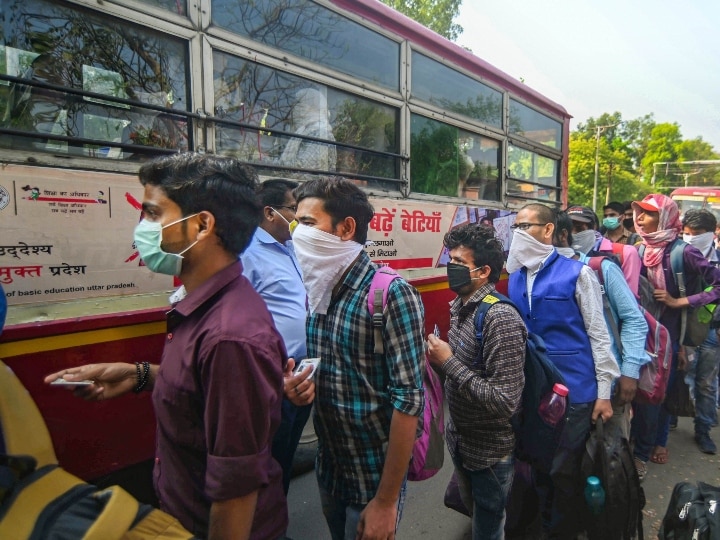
(458, 277)
(628, 223)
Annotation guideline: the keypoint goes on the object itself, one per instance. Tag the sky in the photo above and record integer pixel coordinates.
(593, 57)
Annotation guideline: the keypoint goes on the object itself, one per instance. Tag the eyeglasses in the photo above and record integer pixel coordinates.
(526, 226)
(291, 208)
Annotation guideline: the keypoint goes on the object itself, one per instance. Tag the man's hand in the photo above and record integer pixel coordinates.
(627, 387)
(377, 521)
(298, 388)
(439, 351)
(111, 380)
(669, 300)
(603, 408)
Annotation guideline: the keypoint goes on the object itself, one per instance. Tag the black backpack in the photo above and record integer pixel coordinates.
(535, 441)
(692, 513)
(608, 456)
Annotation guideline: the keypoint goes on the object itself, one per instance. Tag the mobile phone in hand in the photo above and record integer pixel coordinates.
(63, 382)
(305, 363)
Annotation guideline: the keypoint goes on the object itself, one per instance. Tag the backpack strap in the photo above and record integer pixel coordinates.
(595, 263)
(677, 265)
(488, 301)
(377, 302)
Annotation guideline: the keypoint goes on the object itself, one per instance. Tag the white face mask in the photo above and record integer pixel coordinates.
(526, 251)
(323, 257)
(703, 242)
(584, 241)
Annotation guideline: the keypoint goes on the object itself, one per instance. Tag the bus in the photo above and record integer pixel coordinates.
(689, 198)
(298, 88)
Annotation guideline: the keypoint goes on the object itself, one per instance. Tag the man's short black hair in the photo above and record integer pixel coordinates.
(700, 219)
(272, 192)
(564, 223)
(480, 239)
(341, 199)
(204, 182)
(545, 213)
(615, 207)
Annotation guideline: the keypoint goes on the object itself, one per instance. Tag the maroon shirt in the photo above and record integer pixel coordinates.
(217, 401)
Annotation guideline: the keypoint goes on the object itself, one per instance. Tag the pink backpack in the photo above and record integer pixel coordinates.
(429, 449)
(654, 375)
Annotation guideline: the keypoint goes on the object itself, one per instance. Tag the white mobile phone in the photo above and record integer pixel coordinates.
(305, 363)
(63, 382)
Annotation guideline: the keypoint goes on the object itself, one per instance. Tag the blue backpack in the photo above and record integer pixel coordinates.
(535, 441)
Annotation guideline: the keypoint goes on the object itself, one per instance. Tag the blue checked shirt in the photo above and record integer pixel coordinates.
(628, 319)
(357, 393)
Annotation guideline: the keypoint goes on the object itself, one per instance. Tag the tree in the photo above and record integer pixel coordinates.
(662, 148)
(437, 15)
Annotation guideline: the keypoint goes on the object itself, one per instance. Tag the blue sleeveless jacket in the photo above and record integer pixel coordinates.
(556, 317)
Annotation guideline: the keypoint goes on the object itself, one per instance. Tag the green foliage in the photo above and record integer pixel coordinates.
(435, 165)
(437, 15)
(628, 153)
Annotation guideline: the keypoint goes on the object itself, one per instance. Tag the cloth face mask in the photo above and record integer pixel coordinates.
(584, 241)
(526, 251)
(703, 242)
(323, 257)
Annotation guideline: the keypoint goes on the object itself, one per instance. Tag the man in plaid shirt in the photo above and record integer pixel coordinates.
(483, 383)
(367, 406)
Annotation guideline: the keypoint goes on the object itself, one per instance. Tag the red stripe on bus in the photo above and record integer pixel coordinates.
(402, 264)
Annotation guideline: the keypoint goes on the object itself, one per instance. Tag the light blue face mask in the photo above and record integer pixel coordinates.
(611, 223)
(148, 237)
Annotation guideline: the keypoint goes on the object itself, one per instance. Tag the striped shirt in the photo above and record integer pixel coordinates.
(483, 388)
(357, 392)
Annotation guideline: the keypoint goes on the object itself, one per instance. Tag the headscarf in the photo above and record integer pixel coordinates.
(669, 227)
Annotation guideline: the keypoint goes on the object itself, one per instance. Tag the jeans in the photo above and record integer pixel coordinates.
(706, 383)
(490, 491)
(561, 492)
(287, 437)
(651, 423)
(343, 518)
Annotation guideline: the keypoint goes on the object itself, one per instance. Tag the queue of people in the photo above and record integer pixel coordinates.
(275, 272)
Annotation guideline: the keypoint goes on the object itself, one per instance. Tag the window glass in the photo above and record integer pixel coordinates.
(448, 89)
(268, 99)
(314, 32)
(446, 160)
(532, 176)
(85, 52)
(176, 6)
(533, 125)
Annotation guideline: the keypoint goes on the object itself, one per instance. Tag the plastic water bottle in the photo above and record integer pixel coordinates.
(553, 404)
(594, 495)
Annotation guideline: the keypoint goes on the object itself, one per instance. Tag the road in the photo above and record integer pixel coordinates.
(426, 517)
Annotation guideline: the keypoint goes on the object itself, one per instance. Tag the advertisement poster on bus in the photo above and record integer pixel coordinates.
(69, 234)
(409, 234)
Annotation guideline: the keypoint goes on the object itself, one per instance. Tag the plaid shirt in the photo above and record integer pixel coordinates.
(358, 392)
(483, 392)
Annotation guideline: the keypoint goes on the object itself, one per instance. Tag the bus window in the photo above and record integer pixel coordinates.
(447, 160)
(534, 126)
(442, 86)
(269, 99)
(532, 176)
(88, 52)
(316, 33)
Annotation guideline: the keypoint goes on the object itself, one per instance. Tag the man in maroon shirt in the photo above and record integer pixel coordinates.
(218, 390)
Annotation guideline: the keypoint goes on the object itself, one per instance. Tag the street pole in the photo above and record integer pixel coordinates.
(599, 129)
